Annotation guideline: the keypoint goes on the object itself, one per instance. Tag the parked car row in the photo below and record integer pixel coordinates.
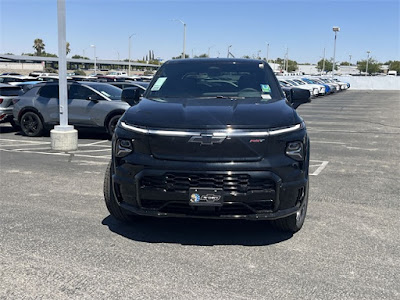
(318, 86)
(31, 103)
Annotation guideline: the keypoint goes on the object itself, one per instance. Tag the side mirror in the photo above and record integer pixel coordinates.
(131, 95)
(299, 97)
(93, 98)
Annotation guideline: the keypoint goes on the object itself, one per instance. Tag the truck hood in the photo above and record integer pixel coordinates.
(211, 113)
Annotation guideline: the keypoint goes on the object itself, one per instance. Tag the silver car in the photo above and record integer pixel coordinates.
(7, 94)
(90, 104)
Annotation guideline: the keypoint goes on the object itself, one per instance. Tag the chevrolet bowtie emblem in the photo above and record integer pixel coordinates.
(207, 139)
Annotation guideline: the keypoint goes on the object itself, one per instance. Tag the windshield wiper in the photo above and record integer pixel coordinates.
(228, 97)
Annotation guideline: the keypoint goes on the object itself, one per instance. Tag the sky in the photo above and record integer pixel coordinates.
(302, 27)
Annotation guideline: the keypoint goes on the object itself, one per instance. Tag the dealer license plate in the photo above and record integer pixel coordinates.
(206, 197)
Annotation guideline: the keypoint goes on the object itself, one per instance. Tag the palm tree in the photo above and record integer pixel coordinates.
(68, 50)
(38, 45)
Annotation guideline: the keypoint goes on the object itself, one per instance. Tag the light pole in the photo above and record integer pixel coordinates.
(63, 137)
(229, 47)
(258, 54)
(323, 63)
(366, 69)
(267, 51)
(184, 36)
(94, 49)
(336, 30)
(129, 58)
(287, 59)
(350, 59)
(209, 50)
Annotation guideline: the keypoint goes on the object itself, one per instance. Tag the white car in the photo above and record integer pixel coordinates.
(13, 79)
(343, 85)
(117, 74)
(321, 88)
(330, 81)
(313, 91)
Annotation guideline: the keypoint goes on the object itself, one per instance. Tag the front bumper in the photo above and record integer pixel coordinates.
(277, 199)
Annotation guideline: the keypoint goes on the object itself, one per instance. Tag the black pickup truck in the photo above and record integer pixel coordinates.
(211, 138)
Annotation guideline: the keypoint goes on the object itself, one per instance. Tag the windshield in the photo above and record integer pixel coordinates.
(293, 83)
(284, 83)
(299, 81)
(107, 90)
(214, 79)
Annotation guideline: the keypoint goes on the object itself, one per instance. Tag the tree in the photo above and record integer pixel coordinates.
(204, 55)
(79, 57)
(345, 63)
(292, 64)
(38, 45)
(328, 65)
(246, 56)
(373, 66)
(394, 65)
(68, 50)
(180, 56)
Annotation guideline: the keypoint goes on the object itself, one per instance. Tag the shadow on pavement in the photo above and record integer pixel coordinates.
(7, 129)
(83, 133)
(198, 232)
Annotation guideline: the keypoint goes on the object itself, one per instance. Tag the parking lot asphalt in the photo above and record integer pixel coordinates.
(57, 240)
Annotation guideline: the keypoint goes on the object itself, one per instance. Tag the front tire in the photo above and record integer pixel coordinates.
(294, 222)
(112, 124)
(111, 202)
(31, 124)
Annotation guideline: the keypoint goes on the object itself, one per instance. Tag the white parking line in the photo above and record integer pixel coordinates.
(326, 142)
(320, 168)
(97, 150)
(31, 149)
(25, 141)
(95, 143)
(59, 153)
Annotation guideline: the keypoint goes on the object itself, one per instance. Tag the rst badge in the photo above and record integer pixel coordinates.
(257, 140)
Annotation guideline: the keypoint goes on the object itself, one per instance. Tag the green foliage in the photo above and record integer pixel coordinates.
(79, 72)
(50, 70)
(204, 55)
(292, 64)
(79, 57)
(43, 54)
(246, 56)
(394, 65)
(345, 63)
(373, 66)
(67, 46)
(180, 56)
(328, 65)
(38, 45)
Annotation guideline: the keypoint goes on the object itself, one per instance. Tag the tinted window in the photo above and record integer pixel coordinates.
(77, 91)
(49, 91)
(10, 91)
(108, 90)
(239, 79)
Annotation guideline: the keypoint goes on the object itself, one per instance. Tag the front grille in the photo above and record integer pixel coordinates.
(177, 182)
(243, 194)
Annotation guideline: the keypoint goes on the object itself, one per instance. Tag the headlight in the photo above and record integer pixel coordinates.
(295, 150)
(123, 147)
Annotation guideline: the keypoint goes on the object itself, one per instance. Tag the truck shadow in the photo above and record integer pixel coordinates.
(198, 232)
